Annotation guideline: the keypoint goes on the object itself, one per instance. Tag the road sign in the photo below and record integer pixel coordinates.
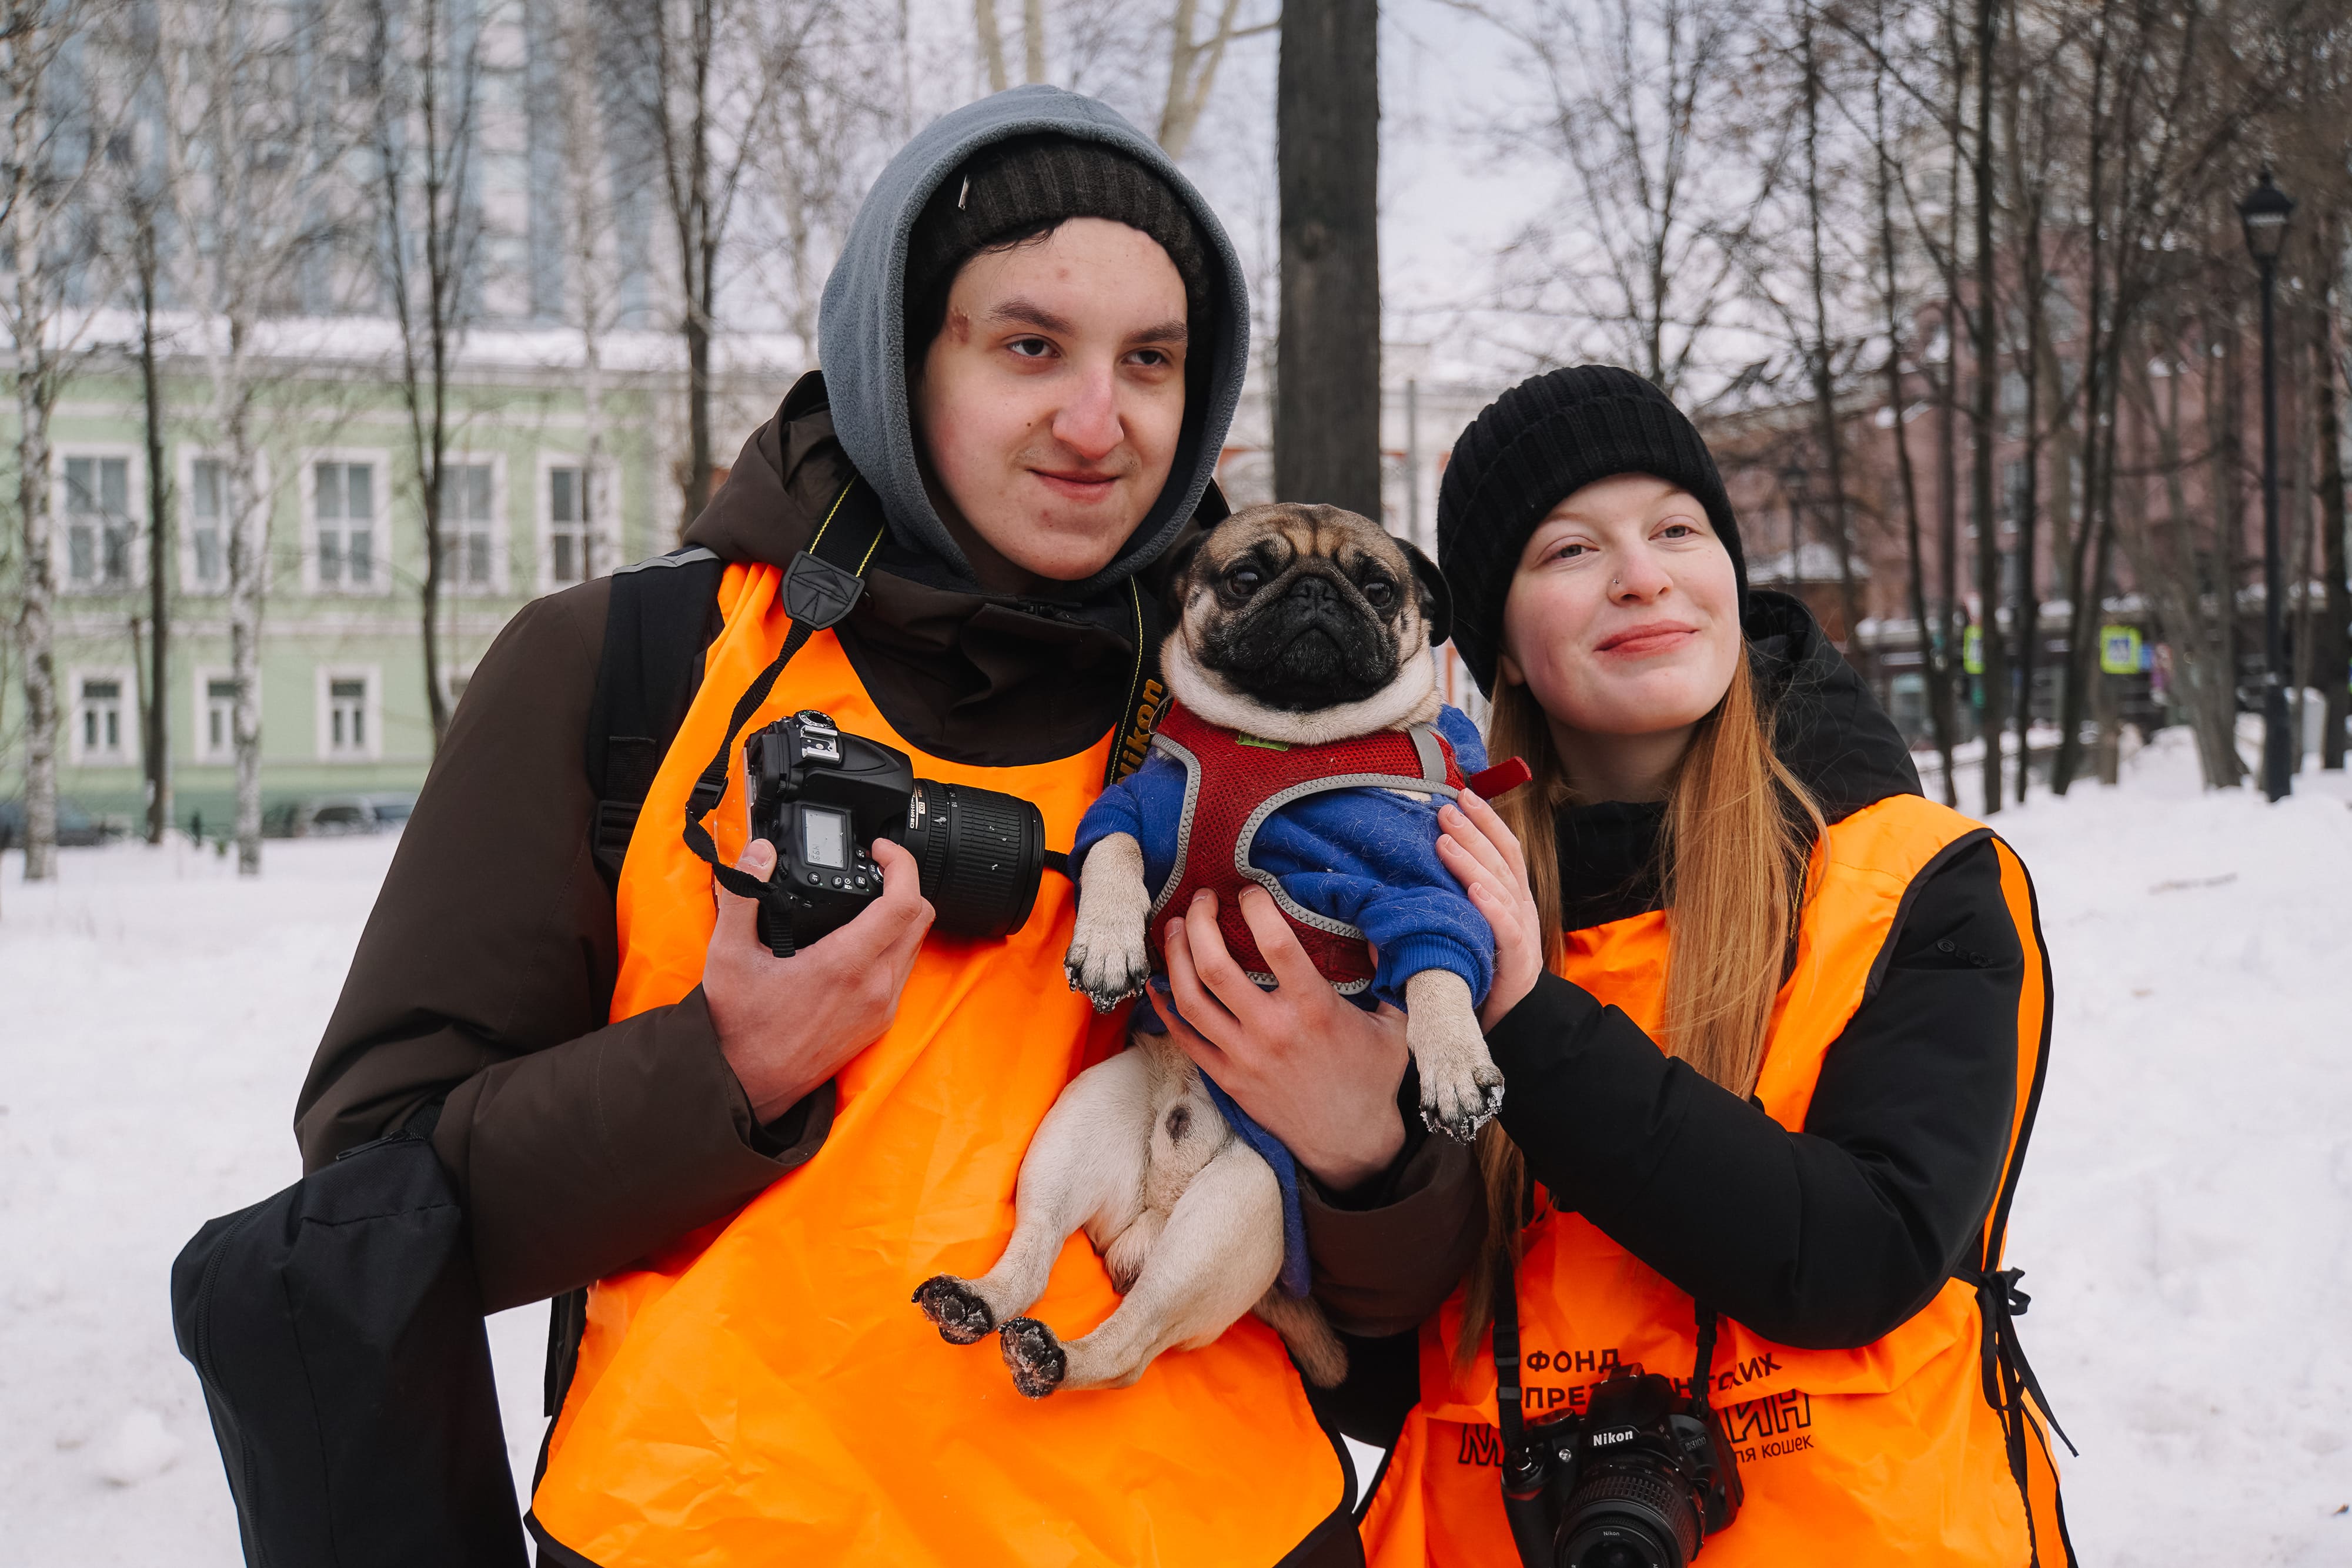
(2119, 649)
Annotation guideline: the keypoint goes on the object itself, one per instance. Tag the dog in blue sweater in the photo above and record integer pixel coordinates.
(1305, 747)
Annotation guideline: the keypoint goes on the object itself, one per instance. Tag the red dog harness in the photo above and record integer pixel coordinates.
(1234, 782)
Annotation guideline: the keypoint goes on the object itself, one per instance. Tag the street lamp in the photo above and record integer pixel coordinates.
(2264, 213)
(1796, 484)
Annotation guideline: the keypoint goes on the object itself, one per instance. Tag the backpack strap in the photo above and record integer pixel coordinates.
(664, 614)
(2010, 1385)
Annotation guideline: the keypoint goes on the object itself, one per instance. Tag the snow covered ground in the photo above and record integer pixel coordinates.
(2186, 1221)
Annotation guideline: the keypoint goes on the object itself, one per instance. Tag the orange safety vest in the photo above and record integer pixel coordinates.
(764, 1391)
(1892, 1453)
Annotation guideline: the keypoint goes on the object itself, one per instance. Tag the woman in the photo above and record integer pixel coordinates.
(1772, 1026)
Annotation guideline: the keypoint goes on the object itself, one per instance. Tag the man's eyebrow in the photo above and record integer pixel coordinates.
(1027, 313)
(1172, 330)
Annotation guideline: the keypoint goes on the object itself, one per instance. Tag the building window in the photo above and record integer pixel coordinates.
(579, 531)
(347, 723)
(468, 529)
(343, 512)
(208, 524)
(216, 720)
(101, 721)
(98, 523)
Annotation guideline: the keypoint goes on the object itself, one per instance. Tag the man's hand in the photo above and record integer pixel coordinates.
(1315, 1070)
(786, 1025)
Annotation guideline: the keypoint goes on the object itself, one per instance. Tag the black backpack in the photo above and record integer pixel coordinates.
(337, 1327)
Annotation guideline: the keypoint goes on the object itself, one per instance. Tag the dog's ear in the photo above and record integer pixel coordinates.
(1175, 571)
(1436, 596)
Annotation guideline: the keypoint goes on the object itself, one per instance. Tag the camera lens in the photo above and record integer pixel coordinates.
(1629, 1519)
(980, 855)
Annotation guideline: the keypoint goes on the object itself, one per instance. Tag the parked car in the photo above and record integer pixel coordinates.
(336, 816)
(76, 829)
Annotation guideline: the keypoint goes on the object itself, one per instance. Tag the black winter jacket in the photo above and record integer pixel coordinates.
(1833, 1235)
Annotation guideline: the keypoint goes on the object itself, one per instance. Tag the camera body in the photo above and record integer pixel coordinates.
(1640, 1480)
(822, 798)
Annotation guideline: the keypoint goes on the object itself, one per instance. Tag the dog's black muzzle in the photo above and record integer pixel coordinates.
(1312, 643)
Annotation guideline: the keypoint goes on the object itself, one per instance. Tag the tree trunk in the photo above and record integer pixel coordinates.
(158, 726)
(2332, 657)
(36, 633)
(248, 571)
(1832, 439)
(1934, 657)
(991, 44)
(1327, 412)
(1994, 688)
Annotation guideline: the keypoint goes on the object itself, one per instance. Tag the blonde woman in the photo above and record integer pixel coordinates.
(1772, 1028)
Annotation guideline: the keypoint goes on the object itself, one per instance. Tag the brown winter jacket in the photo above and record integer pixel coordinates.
(486, 972)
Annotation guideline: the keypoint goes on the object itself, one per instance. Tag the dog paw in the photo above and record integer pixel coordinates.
(1035, 1358)
(955, 1308)
(1458, 1103)
(1109, 966)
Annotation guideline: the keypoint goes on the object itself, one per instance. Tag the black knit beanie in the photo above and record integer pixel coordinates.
(1533, 447)
(1023, 187)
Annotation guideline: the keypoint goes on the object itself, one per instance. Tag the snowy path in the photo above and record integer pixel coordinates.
(2186, 1220)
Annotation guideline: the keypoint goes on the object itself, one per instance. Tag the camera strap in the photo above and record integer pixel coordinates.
(820, 586)
(1510, 1415)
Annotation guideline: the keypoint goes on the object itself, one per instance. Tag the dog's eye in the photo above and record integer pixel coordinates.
(1379, 593)
(1244, 580)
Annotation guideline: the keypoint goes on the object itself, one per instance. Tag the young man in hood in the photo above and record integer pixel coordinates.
(1033, 345)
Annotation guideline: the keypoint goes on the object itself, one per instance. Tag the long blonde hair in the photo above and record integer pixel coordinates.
(1731, 855)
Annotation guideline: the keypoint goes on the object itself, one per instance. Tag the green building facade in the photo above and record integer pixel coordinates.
(343, 695)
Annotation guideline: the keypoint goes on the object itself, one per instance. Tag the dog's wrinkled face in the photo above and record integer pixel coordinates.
(1300, 608)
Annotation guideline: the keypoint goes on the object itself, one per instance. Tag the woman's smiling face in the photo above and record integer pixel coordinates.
(1623, 620)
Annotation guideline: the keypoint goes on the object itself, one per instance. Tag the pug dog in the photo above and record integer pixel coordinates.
(1296, 627)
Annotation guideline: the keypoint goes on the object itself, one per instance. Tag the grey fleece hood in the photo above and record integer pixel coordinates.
(861, 324)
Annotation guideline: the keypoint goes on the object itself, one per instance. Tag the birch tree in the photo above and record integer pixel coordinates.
(245, 157)
(52, 156)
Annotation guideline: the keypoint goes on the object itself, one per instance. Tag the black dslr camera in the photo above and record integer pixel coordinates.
(822, 798)
(1639, 1481)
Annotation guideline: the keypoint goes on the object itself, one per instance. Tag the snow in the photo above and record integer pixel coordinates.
(2185, 1223)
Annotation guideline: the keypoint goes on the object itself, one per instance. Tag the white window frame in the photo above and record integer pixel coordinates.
(201, 695)
(501, 531)
(604, 485)
(380, 459)
(323, 712)
(183, 475)
(78, 754)
(134, 506)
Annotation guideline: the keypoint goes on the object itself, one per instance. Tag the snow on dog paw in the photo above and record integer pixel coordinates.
(139, 1448)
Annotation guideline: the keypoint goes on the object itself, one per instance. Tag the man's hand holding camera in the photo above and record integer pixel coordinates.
(786, 1025)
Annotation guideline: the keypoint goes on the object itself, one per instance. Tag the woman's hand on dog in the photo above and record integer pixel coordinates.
(786, 1025)
(1485, 856)
(1313, 1069)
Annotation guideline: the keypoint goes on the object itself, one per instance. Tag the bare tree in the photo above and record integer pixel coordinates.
(1192, 65)
(703, 79)
(1935, 651)
(2332, 653)
(54, 147)
(592, 289)
(1636, 106)
(426, 60)
(244, 156)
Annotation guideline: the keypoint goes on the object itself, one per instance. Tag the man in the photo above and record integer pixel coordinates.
(1033, 345)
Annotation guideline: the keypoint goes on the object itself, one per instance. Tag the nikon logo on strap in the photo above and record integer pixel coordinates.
(1136, 744)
